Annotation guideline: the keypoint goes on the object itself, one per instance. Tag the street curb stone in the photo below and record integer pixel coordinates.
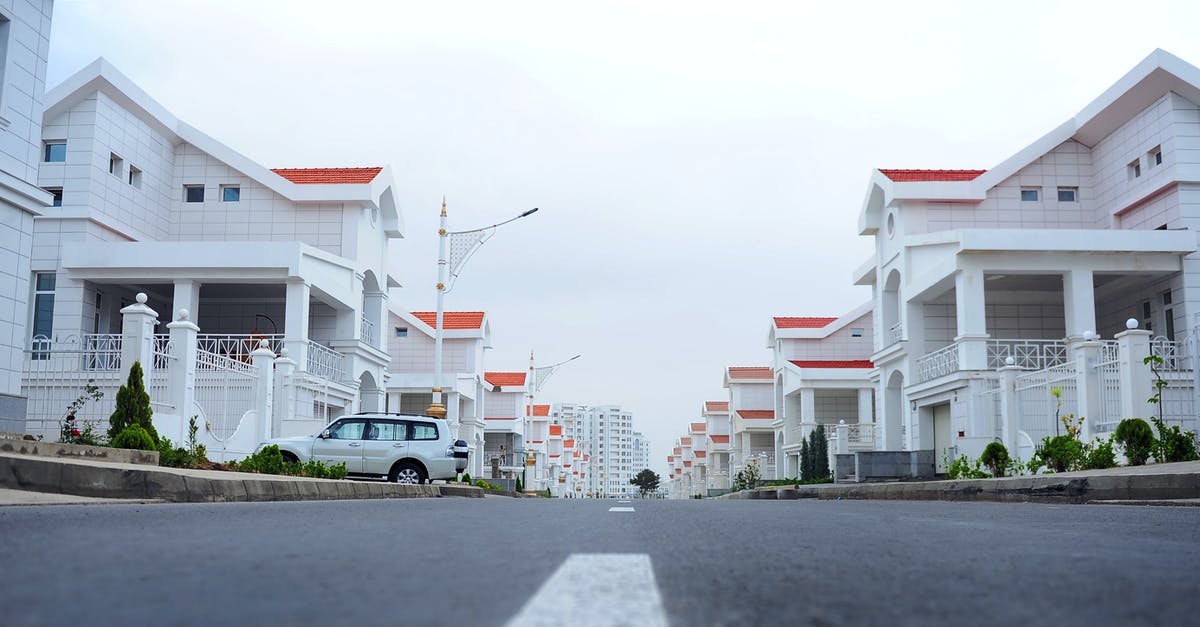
(126, 481)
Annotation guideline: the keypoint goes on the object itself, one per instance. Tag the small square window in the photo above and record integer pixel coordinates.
(56, 192)
(856, 332)
(1029, 195)
(135, 177)
(1135, 168)
(231, 193)
(401, 331)
(1067, 194)
(1154, 157)
(116, 165)
(56, 152)
(193, 193)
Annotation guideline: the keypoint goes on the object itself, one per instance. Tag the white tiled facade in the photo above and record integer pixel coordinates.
(24, 45)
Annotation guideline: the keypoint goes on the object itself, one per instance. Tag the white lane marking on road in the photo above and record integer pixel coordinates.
(595, 589)
(625, 501)
(620, 509)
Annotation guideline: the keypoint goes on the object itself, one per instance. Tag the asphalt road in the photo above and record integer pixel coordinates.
(482, 561)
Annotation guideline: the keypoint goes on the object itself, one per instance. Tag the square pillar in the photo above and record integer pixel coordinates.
(1086, 355)
(1079, 303)
(866, 405)
(1137, 384)
(295, 323)
(187, 296)
(972, 320)
(808, 411)
(263, 360)
(137, 343)
(1010, 417)
(181, 380)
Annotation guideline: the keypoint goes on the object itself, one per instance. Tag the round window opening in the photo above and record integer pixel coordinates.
(891, 224)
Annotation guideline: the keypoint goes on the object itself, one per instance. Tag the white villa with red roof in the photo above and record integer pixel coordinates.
(504, 409)
(466, 337)
(991, 287)
(146, 204)
(717, 449)
(822, 373)
(751, 414)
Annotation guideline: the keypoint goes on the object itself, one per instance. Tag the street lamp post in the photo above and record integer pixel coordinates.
(537, 378)
(462, 244)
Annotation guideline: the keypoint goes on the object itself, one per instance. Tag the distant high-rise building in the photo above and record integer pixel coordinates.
(605, 434)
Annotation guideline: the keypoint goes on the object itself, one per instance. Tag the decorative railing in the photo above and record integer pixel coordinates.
(1175, 354)
(225, 392)
(326, 362)
(940, 362)
(1040, 407)
(368, 331)
(239, 345)
(1028, 354)
(895, 333)
(858, 435)
(209, 361)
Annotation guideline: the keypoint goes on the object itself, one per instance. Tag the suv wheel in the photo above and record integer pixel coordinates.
(406, 472)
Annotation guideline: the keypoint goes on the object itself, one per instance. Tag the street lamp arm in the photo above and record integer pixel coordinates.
(463, 244)
(485, 228)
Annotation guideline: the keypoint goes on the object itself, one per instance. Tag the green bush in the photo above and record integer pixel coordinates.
(1174, 444)
(134, 437)
(1136, 440)
(995, 458)
(1059, 453)
(963, 468)
(520, 485)
(1099, 455)
(466, 477)
(133, 407)
(268, 461)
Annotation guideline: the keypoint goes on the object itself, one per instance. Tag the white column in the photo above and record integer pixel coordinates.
(1079, 303)
(1010, 417)
(187, 296)
(137, 343)
(263, 360)
(972, 320)
(779, 462)
(285, 400)
(375, 311)
(295, 324)
(866, 403)
(182, 374)
(1136, 381)
(808, 411)
(1087, 380)
(843, 439)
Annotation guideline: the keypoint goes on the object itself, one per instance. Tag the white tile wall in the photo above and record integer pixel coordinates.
(414, 353)
(23, 87)
(840, 345)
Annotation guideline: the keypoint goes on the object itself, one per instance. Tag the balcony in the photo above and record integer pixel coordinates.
(895, 333)
(1033, 354)
(368, 331)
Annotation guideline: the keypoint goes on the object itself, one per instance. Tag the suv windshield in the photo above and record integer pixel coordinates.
(347, 430)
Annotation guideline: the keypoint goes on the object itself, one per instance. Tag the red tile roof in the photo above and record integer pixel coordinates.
(834, 363)
(585, 458)
(701, 454)
(504, 378)
(536, 441)
(757, 414)
(568, 443)
(753, 372)
(719, 439)
(678, 451)
(699, 427)
(670, 458)
(910, 176)
(575, 454)
(685, 441)
(539, 410)
(716, 405)
(556, 430)
(785, 322)
(452, 320)
(491, 418)
(308, 176)
(687, 464)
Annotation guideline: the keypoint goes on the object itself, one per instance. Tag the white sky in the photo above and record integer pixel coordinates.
(699, 165)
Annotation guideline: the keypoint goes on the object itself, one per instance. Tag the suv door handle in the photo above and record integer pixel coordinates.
(355, 444)
(398, 445)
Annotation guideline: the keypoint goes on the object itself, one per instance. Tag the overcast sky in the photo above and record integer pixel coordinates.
(699, 165)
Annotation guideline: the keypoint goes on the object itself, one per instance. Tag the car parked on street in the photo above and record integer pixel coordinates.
(402, 448)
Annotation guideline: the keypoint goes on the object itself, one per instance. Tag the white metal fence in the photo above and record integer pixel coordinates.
(1109, 373)
(940, 362)
(326, 362)
(1037, 403)
(159, 381)
(225, 390)
(56, 374)
(1028, 354)
(237, 346)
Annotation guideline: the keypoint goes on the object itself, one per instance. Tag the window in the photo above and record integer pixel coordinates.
(116, 165)
(193, 193)
(56, 192)
(231, 193)
(1135, 168)
(348, 430)
(422, 431)
(1029, 194)
(56, 152)
(43, 306)
(401, 331)
(387, 430)
(1168, 316)
(1149, 326)
(1067, 194)
(856, 332)
(135, 177)
(1154, 157)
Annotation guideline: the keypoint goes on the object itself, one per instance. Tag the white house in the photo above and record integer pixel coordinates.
(822, 374)
(504, 425)
(228, 252)
(24, 42)
(466, 335)
(717, 449)
(751, 414)
(991, 288)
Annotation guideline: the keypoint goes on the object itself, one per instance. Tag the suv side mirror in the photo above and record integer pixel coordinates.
(325, 435)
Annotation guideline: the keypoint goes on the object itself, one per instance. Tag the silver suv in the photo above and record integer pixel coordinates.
(405, 449)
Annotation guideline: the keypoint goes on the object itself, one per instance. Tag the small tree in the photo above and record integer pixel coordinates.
(133, 406)
(646, 481)
(806, 464)
(995, 458)
(821, 457)
(1136, 440)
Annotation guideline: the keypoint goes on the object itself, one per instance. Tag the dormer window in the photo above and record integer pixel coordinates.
(856, 332)
(401, 331)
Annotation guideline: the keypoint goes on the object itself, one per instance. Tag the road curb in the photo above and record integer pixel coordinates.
(1146, 488)
(126, 481)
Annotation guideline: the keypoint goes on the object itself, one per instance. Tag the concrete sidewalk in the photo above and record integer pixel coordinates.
(143, 483)
(1152, 484)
